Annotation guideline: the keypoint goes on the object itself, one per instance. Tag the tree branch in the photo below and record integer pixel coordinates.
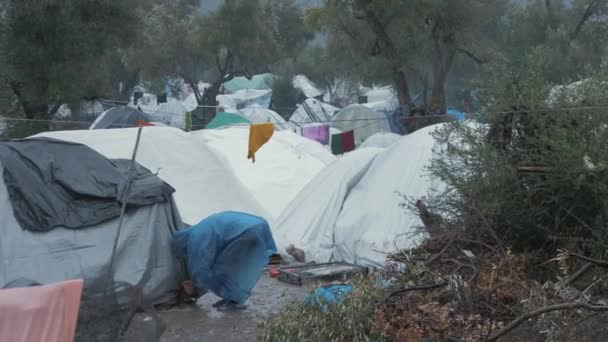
(419, 288)
(558, 307)
(601, 263)
(471, 55)
(589, 12)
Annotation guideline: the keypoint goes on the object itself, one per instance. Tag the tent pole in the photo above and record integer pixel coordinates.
(123, 200)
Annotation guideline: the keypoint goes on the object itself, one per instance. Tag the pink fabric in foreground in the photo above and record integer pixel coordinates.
(40, 313)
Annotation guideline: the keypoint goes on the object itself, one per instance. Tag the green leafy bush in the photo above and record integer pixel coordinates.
(349, 321)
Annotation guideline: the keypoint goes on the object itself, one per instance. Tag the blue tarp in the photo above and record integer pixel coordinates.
(331, 294)
(458, 115)
(226, 253)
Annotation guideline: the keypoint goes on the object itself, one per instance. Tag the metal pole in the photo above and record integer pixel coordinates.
(124, 199)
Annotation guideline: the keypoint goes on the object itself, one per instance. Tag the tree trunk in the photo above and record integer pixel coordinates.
(128, 86)
(209, 103)
(389, 51)
(195, 90)
(591, 9)
(441, 68)
(30, 110)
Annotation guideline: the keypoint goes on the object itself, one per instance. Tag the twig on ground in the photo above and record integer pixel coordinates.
(461, 266)
(558, 307)
(602, 263)
(476, 242)
(418, 288)
(586, 267)
(447, 246)
(490, 229)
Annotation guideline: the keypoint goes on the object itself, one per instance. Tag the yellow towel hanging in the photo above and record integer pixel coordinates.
(258, 135)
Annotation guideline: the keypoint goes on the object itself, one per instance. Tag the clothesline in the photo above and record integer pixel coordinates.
(400, 118)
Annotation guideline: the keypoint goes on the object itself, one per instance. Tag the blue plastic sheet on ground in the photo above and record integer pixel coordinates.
(331, 294)
(226, 253)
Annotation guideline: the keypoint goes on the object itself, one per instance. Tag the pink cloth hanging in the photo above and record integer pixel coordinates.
(40, 313)
(319, 133)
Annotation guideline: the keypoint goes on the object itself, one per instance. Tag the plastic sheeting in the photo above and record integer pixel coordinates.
(312, 111)
(204, 182)
(306, 86)
(226, 253)
(171, 113)
(143, 253)
(380, 94)
(260, 115)
(40, 313)
(284, 165)
(351, 212)
(309, 219)
(54, 183)
(362, 120)
(372, 220)
(260, 82)
(382, 140)
(244, 99)
(119, 117)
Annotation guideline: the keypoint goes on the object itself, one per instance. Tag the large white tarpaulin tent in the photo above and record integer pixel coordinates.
(284, 165)
(362, 120)
(352, 211)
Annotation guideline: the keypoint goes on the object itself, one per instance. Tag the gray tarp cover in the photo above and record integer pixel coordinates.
(54, 183)
(143, 257)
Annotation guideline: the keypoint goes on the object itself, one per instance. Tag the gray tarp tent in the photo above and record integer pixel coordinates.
(119, 117)
(144, 255)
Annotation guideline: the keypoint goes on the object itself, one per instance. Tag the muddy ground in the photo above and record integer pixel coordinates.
(202, 322)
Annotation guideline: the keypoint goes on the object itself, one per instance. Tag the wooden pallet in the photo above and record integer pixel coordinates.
(298, 275)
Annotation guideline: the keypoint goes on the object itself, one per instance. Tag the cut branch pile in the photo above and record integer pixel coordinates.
(464, 290)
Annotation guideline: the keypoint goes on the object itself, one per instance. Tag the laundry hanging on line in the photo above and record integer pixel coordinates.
(319, 133)
(259, 134)
(343, 142)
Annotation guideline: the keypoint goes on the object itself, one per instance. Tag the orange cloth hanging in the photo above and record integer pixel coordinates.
(258, 135)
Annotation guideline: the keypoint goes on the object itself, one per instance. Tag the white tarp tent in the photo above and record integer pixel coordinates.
(257, 114)
(373, 221)
(204, 183)
(309, 219)
(306, 86)
(171, 113)
(313, 110)
(244, 99)
(362, 120)
(284, 165)
(352, 210)
(380, 94)
(382, 140)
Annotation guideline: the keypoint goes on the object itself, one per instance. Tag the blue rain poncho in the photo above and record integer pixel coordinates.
(226, 253)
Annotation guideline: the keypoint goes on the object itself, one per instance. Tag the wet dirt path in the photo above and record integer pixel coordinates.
(202, 322)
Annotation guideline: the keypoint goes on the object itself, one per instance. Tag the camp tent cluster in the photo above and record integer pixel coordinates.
(311, 198)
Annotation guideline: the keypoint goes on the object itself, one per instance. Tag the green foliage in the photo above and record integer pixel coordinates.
(22, 130)
(288, 28)
(350, 321)
(62, 51)
(545, 189)
(284, 96)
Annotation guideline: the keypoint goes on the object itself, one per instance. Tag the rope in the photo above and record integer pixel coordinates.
(403, 118)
